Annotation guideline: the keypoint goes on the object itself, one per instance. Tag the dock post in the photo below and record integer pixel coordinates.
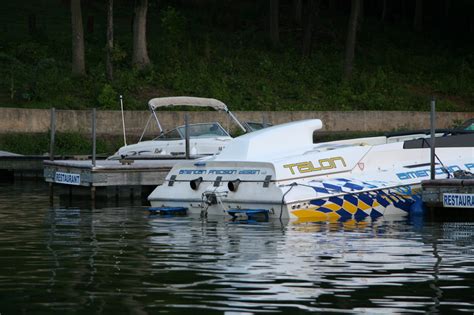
(93, 137)
(93, 192)
(186, 135)
(51, 194)
(432, 146)
(53, 132)
(123, 121)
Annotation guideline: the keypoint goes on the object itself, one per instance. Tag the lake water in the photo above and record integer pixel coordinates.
(64, 258)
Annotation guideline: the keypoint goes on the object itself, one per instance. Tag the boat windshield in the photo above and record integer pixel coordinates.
(468, 125)
(170, 135)
(205, 130)
(254, 126)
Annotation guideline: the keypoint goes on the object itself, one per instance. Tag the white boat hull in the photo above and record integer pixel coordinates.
(314, 183)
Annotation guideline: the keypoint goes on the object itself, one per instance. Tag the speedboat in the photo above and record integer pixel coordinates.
(278, 172)
(204, 138)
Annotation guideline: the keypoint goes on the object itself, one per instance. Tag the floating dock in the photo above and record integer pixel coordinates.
(108, 177)
(14, 165)
(448, 193)
(30, 166)
(107, 172)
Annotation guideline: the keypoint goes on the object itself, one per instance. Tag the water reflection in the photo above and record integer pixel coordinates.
(120, 259)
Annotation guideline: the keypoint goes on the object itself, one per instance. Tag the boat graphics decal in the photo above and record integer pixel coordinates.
(426, 172)
(357, 200)
(219, 172)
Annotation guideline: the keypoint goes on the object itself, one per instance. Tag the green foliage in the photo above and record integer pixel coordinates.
(173, 29)
(68, 143)
(119, 55)
(75, 143)
(25, 144)
(220, 54)
(108, 97)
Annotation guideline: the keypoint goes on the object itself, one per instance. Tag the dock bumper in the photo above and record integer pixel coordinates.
(250, 214)
(170, 211)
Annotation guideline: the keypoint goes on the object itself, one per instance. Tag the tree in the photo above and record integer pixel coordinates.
(32, 24)
(351, 38)
(110, 40)
(447, 9)
(297, 11)
(78, 60)
(384, 11)
(140, 57)
(274, 14)
(418, 18)
(311, 13)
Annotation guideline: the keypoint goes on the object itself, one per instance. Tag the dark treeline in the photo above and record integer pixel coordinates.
(252, 54)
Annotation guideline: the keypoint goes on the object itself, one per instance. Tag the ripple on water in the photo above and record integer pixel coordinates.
(58, 258)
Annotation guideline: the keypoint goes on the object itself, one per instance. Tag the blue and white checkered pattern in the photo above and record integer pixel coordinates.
(355, 199)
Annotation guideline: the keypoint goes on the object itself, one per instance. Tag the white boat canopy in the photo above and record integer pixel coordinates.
(158, 102)
(155, 103)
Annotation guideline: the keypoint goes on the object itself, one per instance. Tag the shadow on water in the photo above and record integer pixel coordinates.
(67, 257)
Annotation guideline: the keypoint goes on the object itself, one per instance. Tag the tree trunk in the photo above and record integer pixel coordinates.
(78, 60)
(140, 57)
(403, 12)
(298, 8)
(351, 38)
(32, 24)
(447, 9)
(385, 9)
(312, 11)
(383, 15)
(274, 14)
(90, 24)
(447, 14)
(332, 7)
(418, 19)
(110, 40)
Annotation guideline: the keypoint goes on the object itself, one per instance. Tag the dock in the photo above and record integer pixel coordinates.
(131, 178)
(15, 165)
(107, 172)
(448, 193)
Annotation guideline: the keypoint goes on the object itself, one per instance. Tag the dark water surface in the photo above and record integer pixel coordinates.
(56, 258)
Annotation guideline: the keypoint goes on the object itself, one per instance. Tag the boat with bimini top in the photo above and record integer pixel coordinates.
(205, 138)
(280, 173)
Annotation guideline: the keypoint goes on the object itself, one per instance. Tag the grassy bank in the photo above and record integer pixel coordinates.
(196, 51)
(77, 144)
(65, 144)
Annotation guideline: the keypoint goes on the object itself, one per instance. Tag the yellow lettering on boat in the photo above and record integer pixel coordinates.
(321, 165)
(290, 166)
(305, 167)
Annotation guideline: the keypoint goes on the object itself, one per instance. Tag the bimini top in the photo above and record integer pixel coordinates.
(155, 103)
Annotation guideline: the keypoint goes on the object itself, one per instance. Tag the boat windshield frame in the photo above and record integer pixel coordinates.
(180, 130)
